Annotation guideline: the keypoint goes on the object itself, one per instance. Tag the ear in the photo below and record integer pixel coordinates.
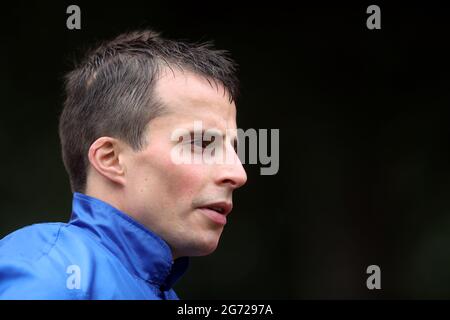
(105, 157)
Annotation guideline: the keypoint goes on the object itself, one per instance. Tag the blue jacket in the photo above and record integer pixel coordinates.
(102, 253)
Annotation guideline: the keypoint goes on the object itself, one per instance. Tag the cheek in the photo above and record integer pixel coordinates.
(175, 182)
(168, 182)
(186, 181)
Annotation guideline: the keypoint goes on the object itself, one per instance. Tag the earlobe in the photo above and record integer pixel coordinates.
(104, 158)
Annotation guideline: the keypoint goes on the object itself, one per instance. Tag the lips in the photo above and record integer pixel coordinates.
(222, 207)
(217, 212)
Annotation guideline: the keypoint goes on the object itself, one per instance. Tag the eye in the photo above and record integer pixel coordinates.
(201, 143)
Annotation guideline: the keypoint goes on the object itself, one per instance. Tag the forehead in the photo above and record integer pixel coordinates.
(189, 97)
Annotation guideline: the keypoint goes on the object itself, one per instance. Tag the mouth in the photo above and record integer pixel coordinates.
(218, 211)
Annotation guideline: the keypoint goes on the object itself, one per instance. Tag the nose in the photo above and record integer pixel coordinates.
(233, 173)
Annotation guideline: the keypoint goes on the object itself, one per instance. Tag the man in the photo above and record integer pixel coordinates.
(137, 213)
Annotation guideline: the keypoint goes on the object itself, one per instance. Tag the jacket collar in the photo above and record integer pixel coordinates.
(140, 250)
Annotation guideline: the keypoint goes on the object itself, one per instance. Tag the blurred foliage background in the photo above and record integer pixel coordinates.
(364, 139)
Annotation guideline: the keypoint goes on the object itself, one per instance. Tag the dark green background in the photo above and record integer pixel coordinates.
(364, 127)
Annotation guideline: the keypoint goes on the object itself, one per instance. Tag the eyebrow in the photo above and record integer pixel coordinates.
(215, 132)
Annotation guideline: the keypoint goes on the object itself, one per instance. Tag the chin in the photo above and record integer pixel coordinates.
(205, 247)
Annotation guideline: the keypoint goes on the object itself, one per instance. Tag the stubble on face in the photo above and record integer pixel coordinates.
(165, 196)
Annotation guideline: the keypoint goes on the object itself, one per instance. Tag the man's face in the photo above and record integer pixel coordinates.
(172, 199)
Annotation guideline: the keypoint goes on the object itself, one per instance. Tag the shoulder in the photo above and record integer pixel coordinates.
(35, 262)
(24, 281)
(58, 241)
(31, 242)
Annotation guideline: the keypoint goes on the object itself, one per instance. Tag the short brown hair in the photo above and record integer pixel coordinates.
(110, 93)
